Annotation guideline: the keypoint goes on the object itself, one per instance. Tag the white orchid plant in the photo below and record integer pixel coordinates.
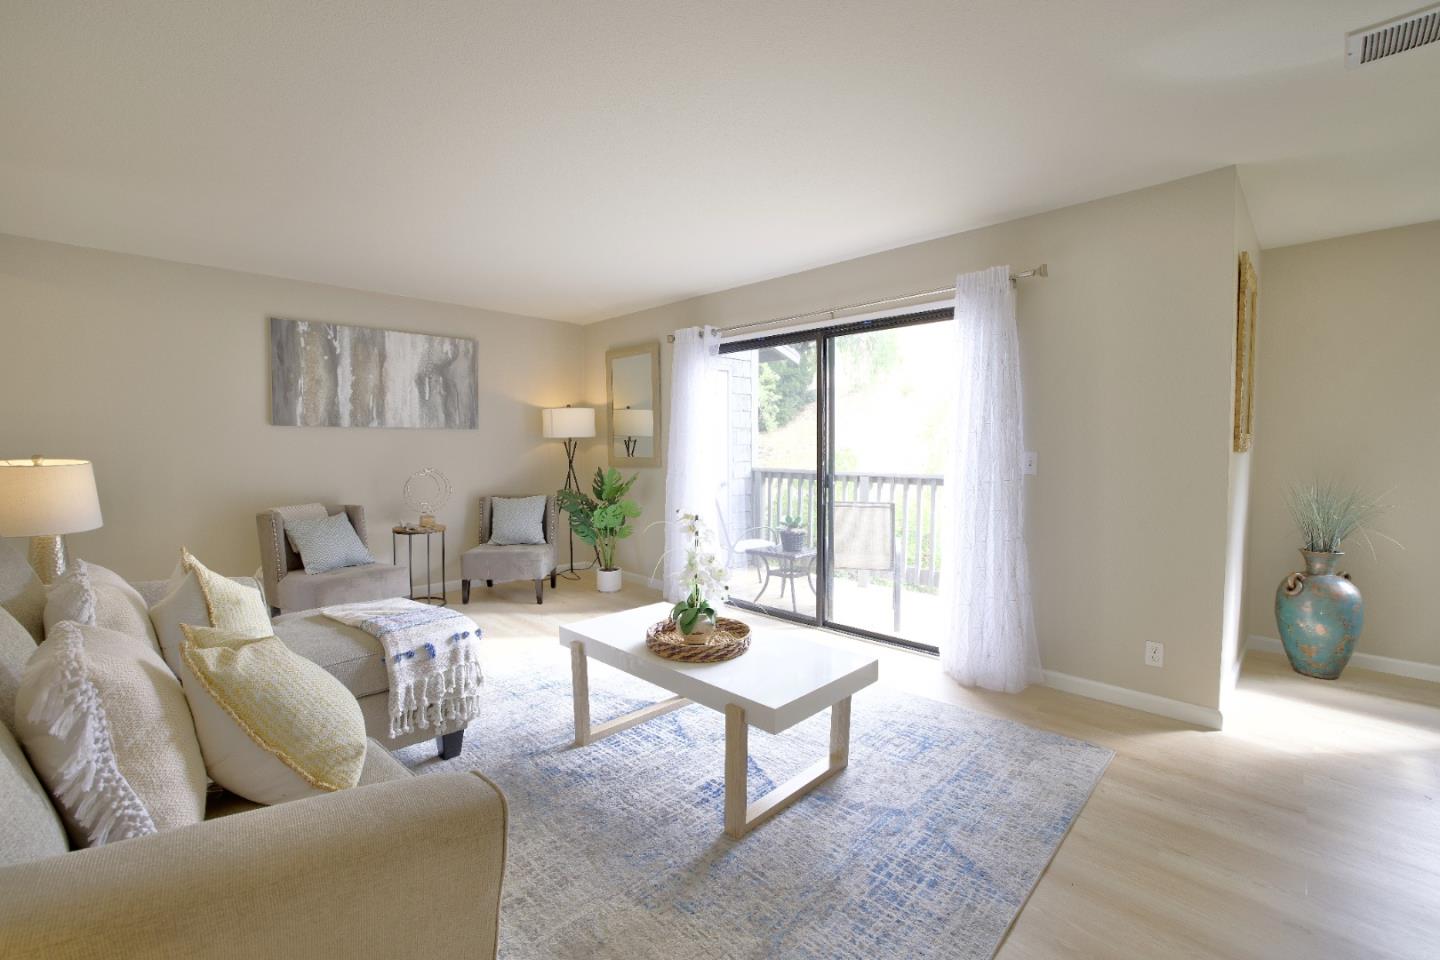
(703, 573)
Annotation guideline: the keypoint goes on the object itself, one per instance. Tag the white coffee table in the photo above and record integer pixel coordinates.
(778, 682)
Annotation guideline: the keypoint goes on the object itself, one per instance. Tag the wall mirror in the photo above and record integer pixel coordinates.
(632, 384)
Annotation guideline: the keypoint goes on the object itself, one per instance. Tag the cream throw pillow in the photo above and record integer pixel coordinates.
(183, 603)
(108, 731)
(119, 606)
(90, 594)
(201, 597)
(232, 606)
(72, 597)
(272, 725)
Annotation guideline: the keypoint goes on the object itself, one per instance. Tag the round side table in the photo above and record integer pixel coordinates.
(410, 533)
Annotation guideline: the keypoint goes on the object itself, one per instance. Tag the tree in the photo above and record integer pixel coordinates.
(786, 387)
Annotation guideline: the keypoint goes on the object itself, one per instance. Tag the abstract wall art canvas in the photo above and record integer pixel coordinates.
(334, 375)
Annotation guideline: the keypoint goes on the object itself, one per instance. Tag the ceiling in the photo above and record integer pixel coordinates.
(578, 160)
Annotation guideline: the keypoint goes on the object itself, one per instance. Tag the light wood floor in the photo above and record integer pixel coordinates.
(1309, 827)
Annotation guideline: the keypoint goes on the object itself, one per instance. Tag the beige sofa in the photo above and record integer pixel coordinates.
(362, 872)
(351, 656)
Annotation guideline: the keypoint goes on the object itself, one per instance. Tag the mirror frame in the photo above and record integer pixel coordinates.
(652, 350)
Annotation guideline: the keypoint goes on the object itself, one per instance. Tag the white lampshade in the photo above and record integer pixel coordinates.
(41, 497)
(568, 423)
(634, 423)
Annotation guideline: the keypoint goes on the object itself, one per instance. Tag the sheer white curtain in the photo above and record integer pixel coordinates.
(990, 638)
(696, 457)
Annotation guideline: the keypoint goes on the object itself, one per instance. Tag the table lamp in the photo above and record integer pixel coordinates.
(44, 498)
(631, 425)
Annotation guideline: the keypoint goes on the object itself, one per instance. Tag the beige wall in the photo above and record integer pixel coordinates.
(159, 373)
(1127, 350)
(1349, 339)
(1232, 641)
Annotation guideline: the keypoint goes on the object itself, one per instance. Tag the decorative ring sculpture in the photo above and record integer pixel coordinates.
(426, 492)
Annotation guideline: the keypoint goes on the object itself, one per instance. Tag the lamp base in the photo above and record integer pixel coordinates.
(47, 556)
(571, 483)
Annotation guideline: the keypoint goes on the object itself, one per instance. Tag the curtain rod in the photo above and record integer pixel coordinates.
(1041, 271)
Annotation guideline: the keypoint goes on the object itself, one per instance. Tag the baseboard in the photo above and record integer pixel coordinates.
(641, 580)
(1146, 702)
(1365, 661)
(1134, 699)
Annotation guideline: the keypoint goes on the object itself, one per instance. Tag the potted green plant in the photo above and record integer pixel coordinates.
(792, 534)
(602, 520)
(704, 576)
(1319, 610)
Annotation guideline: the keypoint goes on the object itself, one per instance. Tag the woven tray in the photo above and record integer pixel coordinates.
(730, 639)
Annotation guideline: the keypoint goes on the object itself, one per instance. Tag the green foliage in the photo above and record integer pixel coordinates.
(602, 520)
(792, 522)
(867, 360)
(1326, 514)
(688, 613)
(786, 388)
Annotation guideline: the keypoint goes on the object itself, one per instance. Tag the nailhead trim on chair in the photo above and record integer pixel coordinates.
(277, 537)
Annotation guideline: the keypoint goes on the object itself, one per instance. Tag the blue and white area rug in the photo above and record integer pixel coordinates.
(926, 846)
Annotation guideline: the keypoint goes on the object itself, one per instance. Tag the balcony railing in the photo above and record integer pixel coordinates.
(776, 494)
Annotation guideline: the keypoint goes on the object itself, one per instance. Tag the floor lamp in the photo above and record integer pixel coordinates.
(44, 499)
(570, 424)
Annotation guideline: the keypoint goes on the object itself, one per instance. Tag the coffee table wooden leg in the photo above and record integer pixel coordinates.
(585, 734)
(580, 688)
(840, 735)
(737, 760)
(741, 818)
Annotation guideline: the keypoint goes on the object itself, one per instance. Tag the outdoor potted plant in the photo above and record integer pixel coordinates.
(602, 520)
(1319, 611)
(704, 575)
(792, 534)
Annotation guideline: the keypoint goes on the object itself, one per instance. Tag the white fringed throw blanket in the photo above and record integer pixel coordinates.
(430, 654)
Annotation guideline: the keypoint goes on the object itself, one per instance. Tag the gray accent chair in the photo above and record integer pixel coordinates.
(521, 561)
(288, 587)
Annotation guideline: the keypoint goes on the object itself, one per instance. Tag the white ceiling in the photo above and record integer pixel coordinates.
(578, 160)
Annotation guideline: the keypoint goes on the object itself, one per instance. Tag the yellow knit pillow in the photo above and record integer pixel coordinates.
(272, 725)
(231, 605)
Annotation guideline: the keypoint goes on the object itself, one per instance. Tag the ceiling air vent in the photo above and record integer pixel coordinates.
(1393, 36)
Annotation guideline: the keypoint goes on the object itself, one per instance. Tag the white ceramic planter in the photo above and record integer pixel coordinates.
(608, 581)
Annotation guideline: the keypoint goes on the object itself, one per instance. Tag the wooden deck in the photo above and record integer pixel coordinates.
(868, 606)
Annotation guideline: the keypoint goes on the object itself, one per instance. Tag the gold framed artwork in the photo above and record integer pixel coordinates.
(1245, 355)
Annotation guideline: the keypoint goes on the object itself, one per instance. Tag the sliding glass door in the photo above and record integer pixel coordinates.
(770, 504)
(890, 392)
(832, 505)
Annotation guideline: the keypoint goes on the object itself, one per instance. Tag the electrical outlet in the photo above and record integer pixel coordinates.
(1154, 654)
(1029, 463)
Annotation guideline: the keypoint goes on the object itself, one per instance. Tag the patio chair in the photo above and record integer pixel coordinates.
(865, 539)
(744, 545)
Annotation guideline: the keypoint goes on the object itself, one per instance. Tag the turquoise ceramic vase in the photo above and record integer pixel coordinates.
(1320, 614)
